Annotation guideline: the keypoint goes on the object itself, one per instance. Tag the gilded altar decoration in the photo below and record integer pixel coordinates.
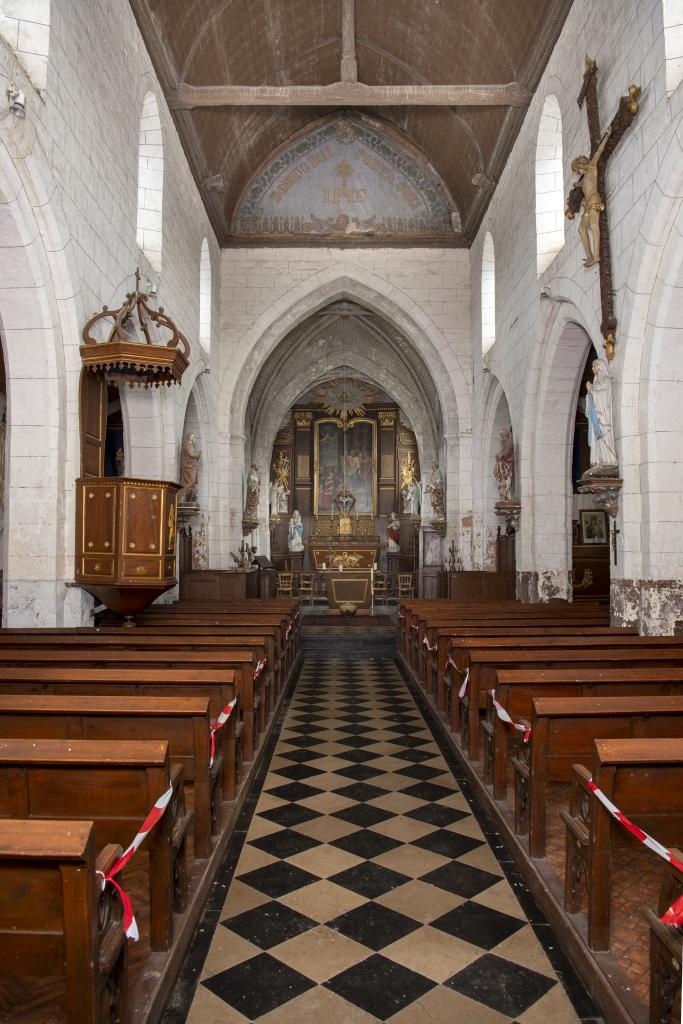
(387, 417)
(135, 344)
(345, 398)
(408, 470)
(281, 470)
(303, 418)
(346, 560)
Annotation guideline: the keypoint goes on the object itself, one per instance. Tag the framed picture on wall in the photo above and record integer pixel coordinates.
(593, 526)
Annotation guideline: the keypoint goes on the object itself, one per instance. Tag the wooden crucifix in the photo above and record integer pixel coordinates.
(589, 191)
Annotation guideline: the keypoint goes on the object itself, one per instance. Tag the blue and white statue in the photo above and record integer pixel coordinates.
(295, 535)
(599, 416)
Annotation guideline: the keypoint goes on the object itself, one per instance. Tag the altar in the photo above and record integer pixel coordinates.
(349, 587)
(344, 542)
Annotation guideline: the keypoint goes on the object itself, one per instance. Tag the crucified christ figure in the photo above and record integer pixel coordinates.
(593, 205)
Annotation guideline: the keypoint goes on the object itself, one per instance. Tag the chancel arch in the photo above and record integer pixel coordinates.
(345, 341)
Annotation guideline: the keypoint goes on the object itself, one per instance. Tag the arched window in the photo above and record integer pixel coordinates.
(205, 296)
(673, 43)
(549, 185)
(150, 181)
(488, 294)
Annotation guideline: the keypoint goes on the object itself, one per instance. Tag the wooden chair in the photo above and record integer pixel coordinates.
(306, 587)
(285, 584)
(380, 589)
(405, 585)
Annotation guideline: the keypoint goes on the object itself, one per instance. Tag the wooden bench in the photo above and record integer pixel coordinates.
(217, 686)
(485, 666)
(166, 638)
(55, 922)
(517, 689)
(503, 617)
(179, 624)
(115, 785)
(439, 639)
(562, 734)
(185, 722)
(644, 778)
(248, 679)
(665, 949)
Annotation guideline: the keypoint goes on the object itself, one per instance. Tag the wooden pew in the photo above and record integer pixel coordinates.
(414, 617)
(562, 734)
(218, 686)
(445, 642)
(439, 642)
(184, 722)
(422, 622)
(417, 648)
(248, 680)
(485, 665)
(54, 920)
(516, 689)
(287, 637)
(665, 948)
(166, 638)
(115, 785)
(644, 778)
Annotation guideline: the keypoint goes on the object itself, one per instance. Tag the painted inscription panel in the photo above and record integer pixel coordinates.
(345, 177)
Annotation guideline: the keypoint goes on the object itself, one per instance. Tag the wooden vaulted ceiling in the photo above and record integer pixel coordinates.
(398, 42)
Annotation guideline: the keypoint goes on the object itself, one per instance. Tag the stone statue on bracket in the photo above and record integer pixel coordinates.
(295, 533)
(599, 415)
(412, 498)
(253, 494)
(189, 471)
(437, 492)
(504, 469)
(393, 535)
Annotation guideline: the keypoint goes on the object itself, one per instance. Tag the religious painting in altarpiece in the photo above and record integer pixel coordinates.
(345, 457)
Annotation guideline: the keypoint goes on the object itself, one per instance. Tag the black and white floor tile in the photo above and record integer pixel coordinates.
(366, 890)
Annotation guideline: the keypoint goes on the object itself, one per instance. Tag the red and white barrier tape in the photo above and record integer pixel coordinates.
(401, 616)
(674, 915)
(218, 724)
(289, 630)
(129, 923)
(504, 717)
(425, 641)
(463, 689)
(415, 626)
(260, 665)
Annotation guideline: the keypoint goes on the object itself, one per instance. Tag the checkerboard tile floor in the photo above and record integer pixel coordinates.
(365, 890)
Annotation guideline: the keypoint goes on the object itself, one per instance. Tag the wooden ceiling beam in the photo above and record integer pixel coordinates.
(348, 94)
